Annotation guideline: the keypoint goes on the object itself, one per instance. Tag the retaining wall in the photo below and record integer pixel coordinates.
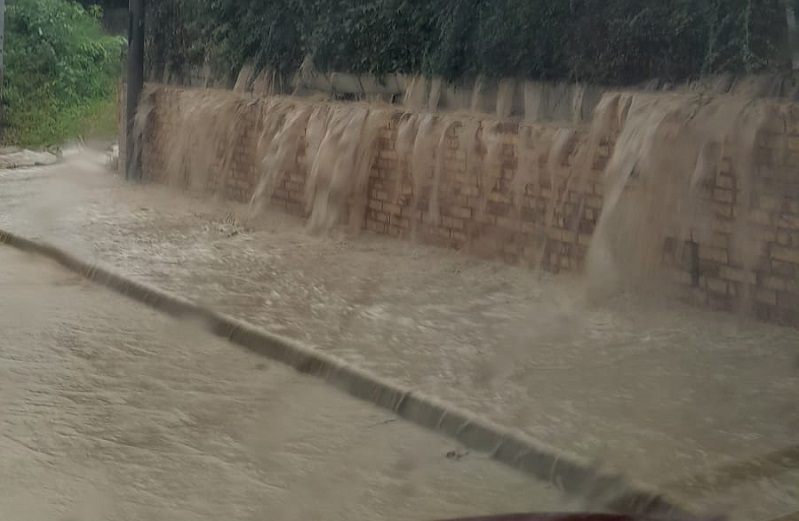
(546, 223)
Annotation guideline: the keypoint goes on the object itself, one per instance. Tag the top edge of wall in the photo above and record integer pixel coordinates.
(506, 98)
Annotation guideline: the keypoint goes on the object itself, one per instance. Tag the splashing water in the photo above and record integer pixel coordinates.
(665, 154)
(660, 180)
(407, 128)
(279, 145)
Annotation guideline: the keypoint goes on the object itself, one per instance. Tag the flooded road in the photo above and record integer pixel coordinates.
(660, 390)
(111, 411)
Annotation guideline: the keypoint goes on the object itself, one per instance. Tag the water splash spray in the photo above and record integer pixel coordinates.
(407, 128)
(661, 179)
(279, 145)
(667, 152)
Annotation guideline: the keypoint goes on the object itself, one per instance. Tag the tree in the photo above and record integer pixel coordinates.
(60, 66)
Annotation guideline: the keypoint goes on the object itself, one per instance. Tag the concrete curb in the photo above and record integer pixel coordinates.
(573, 474)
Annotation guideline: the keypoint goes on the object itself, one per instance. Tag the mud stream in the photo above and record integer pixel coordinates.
(643, 384)
(114, 412)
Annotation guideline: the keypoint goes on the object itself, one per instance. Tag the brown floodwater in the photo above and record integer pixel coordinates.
(659, 389)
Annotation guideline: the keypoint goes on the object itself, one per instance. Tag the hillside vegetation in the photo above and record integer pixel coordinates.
(614, 42)
(61, 73)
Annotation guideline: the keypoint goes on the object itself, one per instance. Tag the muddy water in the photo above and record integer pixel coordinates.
(113, 412)
(660, 390)
(659, 181)
(667, 152)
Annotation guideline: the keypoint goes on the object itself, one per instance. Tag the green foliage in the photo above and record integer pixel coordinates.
(60, 70)
(606, 41)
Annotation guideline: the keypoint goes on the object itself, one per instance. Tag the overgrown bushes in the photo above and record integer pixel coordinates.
(61, 72)
(606, 41)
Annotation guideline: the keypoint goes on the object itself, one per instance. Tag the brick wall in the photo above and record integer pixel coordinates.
(482, 212)
(769, 209)
(545, 221)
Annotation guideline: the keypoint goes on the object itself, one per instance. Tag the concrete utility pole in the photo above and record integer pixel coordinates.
(793, 38)
(2, 58)
(135, 83)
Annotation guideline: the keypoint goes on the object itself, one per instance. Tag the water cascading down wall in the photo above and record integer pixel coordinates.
(688, 193)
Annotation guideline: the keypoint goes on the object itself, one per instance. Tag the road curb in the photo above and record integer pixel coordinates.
(573, 474)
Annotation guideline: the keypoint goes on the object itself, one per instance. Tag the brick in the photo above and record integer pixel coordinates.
(719, 302)
(497, 209)
(454, 166)
(723, 209)
(384, 165)
(531, 229)
(472, 190)
(292, 186)
(461, 212)
(777, 283)
(784, 238)
(788, 300)
(719, 255)
(784, 254)
(737, 275)
(790, 158)
(532, 190)
(784, 269)
(295, 208)
(452, 223)
(375, 226)
(380, 195)
(426, 217)
(499, 197)
(723, 226)
(769, 203)
(680, 277)
(508, 223)
(395, 231)
(402, 222)
(391, 208)
(530, 215)
(792, 207)
(765, 296)
(720, 240)
(762, 233)
(376, 205)
(459, 237)
(725, 181)
(723, 196)
(719, 286)
(387, 153)
(412, 213)
(508, 173)
(785, 316)
(460, 201)
(445, 233)
(593, 201)
(511, 137)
